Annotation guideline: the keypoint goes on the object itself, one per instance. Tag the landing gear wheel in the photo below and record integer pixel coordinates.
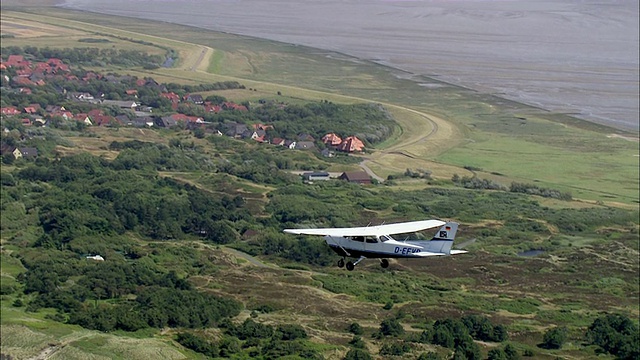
(341, 263)
(384, 263)
(350, 266)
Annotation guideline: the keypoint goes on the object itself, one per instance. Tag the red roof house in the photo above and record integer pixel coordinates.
(212, 108)
(351, 144)
(94, 112)
(30, 109)
(332, 139)
(278, 141)
(173, 97)
(17, 61)
(233, 106)
(103, 120)
(9, 110)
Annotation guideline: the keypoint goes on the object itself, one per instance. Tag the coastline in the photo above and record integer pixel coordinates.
(587, 96)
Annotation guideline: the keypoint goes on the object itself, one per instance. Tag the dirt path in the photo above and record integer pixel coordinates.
(252, 260)
(198, 64)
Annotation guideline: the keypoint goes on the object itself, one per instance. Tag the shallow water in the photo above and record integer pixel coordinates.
(530, 253)
(572, 56)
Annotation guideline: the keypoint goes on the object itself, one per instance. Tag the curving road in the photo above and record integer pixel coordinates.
(370, 172)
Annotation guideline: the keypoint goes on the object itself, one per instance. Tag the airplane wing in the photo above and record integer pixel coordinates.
(386, 229)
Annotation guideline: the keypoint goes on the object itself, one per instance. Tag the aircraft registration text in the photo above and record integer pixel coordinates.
(406, 250)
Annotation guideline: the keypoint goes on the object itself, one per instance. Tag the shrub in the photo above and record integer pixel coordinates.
(554, 338)
(357, 354)
(6, 289)
(395, 349)
(429, 356)
(391, 327)
(356, 329)
(616, 334)
(357, 342)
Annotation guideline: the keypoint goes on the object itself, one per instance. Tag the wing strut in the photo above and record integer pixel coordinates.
(338, 245)
(358, 261)
(351, 265)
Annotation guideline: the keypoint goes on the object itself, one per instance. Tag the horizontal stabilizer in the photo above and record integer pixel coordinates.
(456, 252)
(428, 253)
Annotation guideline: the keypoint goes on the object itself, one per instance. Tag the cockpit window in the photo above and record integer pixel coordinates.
(371, 240)
(384, 238)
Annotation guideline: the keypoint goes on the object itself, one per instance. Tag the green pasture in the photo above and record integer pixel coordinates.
(66, 34)
(64, 41)
(589, 170)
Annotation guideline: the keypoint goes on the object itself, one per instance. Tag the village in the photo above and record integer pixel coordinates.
(21, 76)
(141, 103)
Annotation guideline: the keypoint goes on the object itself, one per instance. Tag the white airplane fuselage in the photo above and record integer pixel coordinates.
(371, 247)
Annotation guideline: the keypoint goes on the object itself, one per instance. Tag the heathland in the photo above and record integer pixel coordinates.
(184, 219)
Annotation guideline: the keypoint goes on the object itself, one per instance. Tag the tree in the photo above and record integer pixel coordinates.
(291, 332)
(251, 329)
(8, 159)
(391, 327)
(357, 354)
(443, 337)
(469, 349)
(216, 99)
(554, 338)
(511, 352)
(355, 329)
(615, 334)
(429, 356)
(500, 333)
(199, 133)
(395, 348)
(357, 342)
(221, 232)
(197, 344)
(496, 354)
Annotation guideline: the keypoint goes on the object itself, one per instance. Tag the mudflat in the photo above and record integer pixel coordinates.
(566, 56)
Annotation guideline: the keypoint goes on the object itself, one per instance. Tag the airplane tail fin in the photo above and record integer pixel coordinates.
(442, 242)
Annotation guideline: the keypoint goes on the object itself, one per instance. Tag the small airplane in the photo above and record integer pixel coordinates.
(376, 241)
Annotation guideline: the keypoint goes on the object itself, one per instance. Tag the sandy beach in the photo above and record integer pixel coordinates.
(567, 56)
